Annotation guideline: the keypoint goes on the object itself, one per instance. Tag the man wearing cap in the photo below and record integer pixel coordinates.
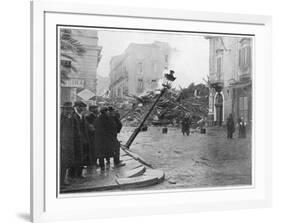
(79, 137)
(66, 141)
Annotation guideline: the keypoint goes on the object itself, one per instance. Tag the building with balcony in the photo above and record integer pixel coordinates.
(138, 69)
(84, 76)
(230, 76)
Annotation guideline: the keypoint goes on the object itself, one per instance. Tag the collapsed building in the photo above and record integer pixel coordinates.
(170, 109)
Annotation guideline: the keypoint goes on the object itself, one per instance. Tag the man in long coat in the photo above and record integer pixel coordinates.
(115, 116)
(105, 136)
(79, 137)
(66, 141)
(230, 126)
(90, 122)
(186, 122)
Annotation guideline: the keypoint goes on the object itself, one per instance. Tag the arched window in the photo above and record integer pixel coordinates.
(219, 99)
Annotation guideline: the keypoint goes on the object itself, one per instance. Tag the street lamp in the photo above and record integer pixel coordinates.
(169, 78)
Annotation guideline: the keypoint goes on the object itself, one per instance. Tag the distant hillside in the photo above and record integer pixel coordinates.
(102, 85)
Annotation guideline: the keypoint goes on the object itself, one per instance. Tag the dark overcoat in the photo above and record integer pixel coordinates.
(105, 136)
(90, 125)
(80, 139)
(185, 127)
(230, 125)
(66, 141)
(118, 124)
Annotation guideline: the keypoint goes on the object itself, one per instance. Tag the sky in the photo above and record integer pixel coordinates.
(189, 60)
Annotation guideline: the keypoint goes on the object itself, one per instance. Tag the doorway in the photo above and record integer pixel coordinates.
(219, 108)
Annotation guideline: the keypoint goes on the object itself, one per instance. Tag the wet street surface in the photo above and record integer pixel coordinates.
(195, 161)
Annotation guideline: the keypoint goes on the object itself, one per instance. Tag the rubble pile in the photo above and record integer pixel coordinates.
(171, 108)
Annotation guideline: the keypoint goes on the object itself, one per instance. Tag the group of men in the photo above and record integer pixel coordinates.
(230, 125)
(88, 137)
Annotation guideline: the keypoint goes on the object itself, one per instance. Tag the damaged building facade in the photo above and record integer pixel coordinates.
(230, 77)
(138, 69)
(84, 75)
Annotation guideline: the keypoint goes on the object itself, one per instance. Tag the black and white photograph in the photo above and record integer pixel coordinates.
(141, 110)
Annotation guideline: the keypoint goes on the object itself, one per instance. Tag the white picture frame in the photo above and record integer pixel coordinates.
(44, 202)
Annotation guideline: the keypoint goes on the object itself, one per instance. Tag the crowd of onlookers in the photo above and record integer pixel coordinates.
(88, 139)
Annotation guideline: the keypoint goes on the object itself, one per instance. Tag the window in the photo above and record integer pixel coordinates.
(140, 68)
(140, 85)
(245, 58)
(153, 83)
(219, 67)
(243, 108)
(219, 99)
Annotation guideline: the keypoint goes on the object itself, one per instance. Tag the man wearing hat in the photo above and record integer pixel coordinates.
(186, 122)
(79, 137)
(115, 116)
(105, 136)
(66, 141)
(90, 122)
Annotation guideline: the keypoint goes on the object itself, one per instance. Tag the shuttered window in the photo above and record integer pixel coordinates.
(219, 67)
(243, 108)
(140, 85)
(245, 58)
(140, 68)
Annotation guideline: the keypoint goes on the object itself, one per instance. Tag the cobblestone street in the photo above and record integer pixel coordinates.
(195, 161)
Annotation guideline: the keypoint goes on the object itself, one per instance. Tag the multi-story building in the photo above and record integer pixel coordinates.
(85, 72)
(230, 78)
(138, 69)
